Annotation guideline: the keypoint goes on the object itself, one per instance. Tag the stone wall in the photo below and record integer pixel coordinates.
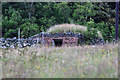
(72, 41)
(68, 39)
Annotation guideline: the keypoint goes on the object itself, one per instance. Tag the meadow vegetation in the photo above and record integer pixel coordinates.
(87, 61)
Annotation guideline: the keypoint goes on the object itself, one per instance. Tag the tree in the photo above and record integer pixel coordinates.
(46, 14)
(30, 9)
(29, 29)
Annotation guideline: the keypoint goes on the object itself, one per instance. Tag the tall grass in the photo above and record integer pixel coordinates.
(98, 61)
(63, 28)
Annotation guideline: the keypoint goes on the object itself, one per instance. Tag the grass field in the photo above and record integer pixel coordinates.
(89, 61)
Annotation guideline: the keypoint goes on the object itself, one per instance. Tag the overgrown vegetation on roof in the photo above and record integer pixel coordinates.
(64, 28)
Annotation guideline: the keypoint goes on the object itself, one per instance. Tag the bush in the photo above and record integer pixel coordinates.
(29, 29)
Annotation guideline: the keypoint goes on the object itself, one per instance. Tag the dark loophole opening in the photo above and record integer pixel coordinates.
(58, 42)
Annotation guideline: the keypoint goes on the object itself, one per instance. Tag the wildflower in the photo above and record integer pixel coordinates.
(37, 67)
(86, 63)
(5, 60)
(93, 46)
(62, 61)
(110, 52)
(83, 75)
(56, 59)
(52, 62)
(102, 50)
(64, 69)
(61, 50)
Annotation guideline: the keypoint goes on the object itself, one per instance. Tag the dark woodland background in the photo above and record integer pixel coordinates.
(34, 17)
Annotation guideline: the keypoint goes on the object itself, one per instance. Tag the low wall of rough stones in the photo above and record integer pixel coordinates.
(72, 41)
(13, 43)
(68, 40)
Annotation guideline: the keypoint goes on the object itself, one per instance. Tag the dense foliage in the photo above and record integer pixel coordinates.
(34, 17)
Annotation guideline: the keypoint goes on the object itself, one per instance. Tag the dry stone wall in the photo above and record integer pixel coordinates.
(66, 40)
(69, 39)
